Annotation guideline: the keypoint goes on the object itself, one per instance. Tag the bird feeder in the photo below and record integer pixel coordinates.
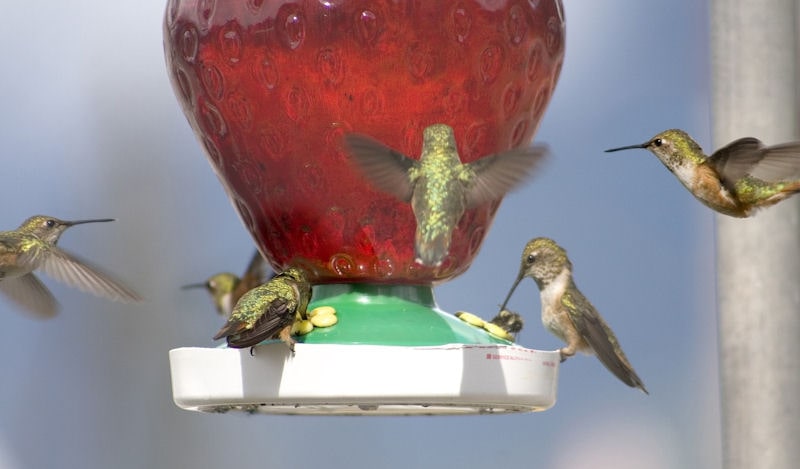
(270, 87)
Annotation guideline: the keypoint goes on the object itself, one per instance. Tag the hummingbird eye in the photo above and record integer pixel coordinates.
(531, 258)
(658, 142)
(50, 223)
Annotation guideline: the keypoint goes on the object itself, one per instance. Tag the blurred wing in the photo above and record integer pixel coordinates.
(778, 163)
(495, 175)
(81, 275)
(256, 273)
(30, 294)
(601, 338)
(736, 159)
(386, 169)
(266, 327)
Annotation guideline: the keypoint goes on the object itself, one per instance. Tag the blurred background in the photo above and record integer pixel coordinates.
(91, 128)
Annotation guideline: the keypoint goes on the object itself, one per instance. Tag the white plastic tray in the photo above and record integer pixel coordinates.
(330, 379)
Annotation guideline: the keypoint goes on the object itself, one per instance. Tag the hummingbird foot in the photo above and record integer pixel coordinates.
(253, 351)
(286, 337)
(565, 353)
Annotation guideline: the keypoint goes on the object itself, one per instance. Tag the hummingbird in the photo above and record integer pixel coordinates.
(736, 180)
(439, 186)
(226, 288)
(32, 247)
(268, 311)
(567, 313)
(509, 321)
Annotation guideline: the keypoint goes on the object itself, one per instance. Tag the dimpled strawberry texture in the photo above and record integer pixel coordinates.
(270, 88)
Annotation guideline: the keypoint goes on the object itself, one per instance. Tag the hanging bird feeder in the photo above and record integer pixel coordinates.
(270, 89)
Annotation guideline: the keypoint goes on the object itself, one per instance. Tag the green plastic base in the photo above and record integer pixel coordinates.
(390, 315)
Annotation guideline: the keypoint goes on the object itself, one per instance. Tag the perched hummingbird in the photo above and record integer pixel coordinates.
(737, 179)
(567, 313)
(509, 321)
(32, 246)
(438, 186)
(268, 311)
(226, 288)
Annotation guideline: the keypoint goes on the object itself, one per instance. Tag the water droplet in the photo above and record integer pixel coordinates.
(184, 86)
(491, 62)
(330, 66)
(293, 26)
(342, 264)
(420, 60)
(212, 119)
(205, 9)
(255, 5)
(212, 80)
(240, 111)
(367, 27)
(189, 44)
(245, 214)
(230, 39)
(266, 73)
(370, 102)
(462, 22)
(553, 35)
(511, 97)
(382, 268)
(297, 104)
(518, 134)
(535, 60)
(250, 175)
(271, 143)
(213, 152)
(516, 24)
(475, 238)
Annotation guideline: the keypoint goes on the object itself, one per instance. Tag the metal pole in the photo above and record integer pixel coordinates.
(754, 81)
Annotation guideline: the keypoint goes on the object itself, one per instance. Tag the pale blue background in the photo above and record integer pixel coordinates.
(90, 128)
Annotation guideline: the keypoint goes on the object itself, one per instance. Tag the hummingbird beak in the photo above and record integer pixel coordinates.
(629, 147)
(513, 287)
(194, 285)
(81, 222)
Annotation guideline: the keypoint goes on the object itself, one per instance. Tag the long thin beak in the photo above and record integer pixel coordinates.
(194, 285)
(510, 292)
(629, 147)
(81, 222)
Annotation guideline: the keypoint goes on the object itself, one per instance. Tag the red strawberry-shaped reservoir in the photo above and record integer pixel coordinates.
(271, 86)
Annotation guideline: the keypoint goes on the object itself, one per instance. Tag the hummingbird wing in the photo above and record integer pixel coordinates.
(28, 292)
(386, 169)
(736, 159)
(600, 337)
(277, 316)
(79, 274)
(497, 174)
(749, 157)
(778, 163)
(254, 275)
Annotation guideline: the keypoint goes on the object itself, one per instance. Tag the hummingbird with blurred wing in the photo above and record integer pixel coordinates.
(32, 247)
(268, 311)
(439, 186)
(737, 179)
(226, 288)
(567, 313)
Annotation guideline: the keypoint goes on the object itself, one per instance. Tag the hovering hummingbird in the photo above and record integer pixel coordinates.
(509, 321)
(567, 313)
(32, 246)
(438, 186)
(226, 288)
(737, 179)
(268, 311)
